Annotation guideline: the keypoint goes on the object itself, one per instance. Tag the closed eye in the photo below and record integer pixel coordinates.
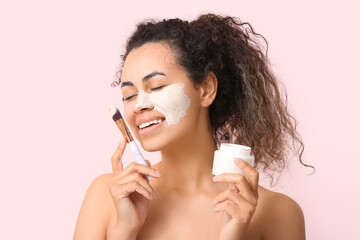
(156, 88)
(152, 89)
(128, 98)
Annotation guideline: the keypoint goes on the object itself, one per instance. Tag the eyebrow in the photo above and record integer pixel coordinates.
(146, 78)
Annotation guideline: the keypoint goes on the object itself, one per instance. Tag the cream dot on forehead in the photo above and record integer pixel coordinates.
(171, 101)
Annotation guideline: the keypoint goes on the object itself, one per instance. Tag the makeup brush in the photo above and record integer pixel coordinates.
(120, 122)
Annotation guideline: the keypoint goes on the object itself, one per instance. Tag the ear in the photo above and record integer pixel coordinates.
(208, 90)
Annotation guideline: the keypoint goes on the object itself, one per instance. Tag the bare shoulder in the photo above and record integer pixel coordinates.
(282, 216)
(95, 210)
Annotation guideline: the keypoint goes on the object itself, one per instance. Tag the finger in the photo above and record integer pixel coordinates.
(148, 163)
(233, 186)
(251, 173)
(241, 183)
(123, 191)
(116, 162)
(233, 196)
(246, 191)
(234, 211)
(135, 177)
(135, 167)
(137, 187)
(229, 207)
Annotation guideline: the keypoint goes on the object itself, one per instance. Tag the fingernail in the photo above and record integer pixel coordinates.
(238, 160)
(213, 203)
(216, 178)
(153, 195)
(157, 174)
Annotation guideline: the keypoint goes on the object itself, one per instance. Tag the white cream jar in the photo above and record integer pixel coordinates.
(224, 158)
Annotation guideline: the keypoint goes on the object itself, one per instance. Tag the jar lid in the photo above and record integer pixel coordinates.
(235, 148)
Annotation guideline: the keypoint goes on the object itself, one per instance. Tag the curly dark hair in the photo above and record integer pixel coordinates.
(249, 108)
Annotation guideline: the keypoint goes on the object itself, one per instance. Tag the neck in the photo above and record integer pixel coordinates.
(187, 167)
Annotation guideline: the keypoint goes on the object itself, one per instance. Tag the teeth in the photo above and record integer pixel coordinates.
(149, 123)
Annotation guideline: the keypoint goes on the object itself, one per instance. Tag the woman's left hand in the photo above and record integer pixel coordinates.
(238, 202)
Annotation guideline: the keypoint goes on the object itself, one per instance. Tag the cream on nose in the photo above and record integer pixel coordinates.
(143, 101)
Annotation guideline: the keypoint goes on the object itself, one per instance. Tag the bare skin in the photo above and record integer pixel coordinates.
(119, 205)
(173, 215)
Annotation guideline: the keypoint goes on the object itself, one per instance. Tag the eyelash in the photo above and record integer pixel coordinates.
(128, 98)
(156, 88)
(152, 89)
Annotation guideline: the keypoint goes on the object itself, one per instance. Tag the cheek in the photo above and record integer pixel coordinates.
(172, 102)
(129, 114)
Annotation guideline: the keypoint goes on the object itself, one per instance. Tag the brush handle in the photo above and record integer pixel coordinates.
(139, 157)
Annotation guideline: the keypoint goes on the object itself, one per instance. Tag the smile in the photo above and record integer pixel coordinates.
(147, 124)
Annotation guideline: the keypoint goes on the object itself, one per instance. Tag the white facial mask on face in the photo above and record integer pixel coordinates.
(171, 101)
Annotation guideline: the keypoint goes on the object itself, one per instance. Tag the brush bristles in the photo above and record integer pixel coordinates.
(115, 113)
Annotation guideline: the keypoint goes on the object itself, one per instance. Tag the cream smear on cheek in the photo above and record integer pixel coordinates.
(171, 101)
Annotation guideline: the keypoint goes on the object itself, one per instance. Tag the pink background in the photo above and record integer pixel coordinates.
(58, 60)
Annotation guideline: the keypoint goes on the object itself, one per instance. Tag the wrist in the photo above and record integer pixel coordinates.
(119, 233)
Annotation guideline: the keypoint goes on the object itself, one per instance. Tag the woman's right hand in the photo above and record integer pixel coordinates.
(130, 191)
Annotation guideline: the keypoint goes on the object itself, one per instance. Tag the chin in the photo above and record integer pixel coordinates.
(151, 147)
(164, 140)
(154, 144)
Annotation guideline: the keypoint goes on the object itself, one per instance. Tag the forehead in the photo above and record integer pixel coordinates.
(147, 58)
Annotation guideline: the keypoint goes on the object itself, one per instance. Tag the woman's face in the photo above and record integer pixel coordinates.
(161, 104)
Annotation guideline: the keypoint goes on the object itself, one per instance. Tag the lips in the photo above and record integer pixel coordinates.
(150, 128)
(149, 120)
(149, 124)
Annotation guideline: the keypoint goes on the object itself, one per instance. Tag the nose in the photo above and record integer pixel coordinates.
(143, 102)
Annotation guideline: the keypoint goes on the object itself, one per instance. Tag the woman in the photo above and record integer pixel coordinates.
(204, 82)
